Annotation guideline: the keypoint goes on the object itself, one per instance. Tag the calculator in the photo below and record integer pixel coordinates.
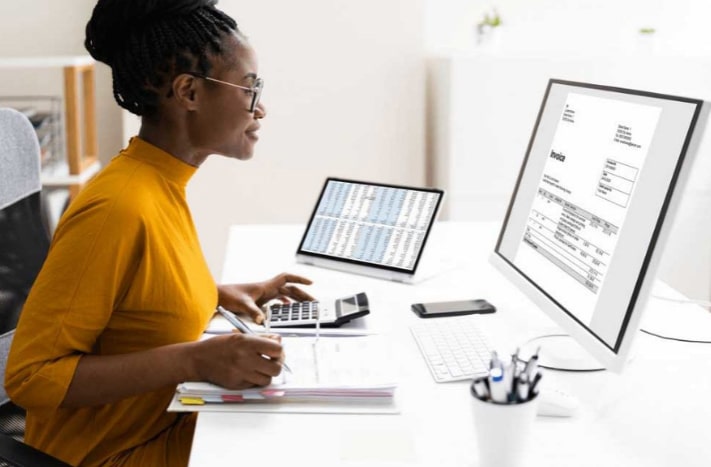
(330, 314)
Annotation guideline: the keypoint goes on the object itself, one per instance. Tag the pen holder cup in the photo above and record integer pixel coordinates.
(503, 431)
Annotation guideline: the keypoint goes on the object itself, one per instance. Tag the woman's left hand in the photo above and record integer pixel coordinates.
(248, 298)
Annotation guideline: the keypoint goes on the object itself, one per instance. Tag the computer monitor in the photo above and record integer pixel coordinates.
(592, 206)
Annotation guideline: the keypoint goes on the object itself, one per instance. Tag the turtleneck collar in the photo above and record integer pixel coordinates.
(170, 166)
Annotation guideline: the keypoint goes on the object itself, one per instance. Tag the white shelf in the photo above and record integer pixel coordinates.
(79, 118)
(61, 177)
(46, 62)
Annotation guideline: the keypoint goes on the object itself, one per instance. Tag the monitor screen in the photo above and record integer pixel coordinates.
(590, 204)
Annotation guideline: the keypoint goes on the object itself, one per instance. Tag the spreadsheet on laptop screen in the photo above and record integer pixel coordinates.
(384, 225)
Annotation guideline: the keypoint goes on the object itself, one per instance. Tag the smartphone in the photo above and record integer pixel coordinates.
(462, 307)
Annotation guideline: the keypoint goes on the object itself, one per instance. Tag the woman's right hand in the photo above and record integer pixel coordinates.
(238, 361)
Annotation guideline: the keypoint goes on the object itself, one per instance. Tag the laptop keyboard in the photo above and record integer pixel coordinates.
(453, 348)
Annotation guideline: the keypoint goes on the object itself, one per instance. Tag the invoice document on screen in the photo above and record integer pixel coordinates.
(598, 152)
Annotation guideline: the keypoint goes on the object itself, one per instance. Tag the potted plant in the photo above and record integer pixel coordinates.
(646, 41)
(487, 26)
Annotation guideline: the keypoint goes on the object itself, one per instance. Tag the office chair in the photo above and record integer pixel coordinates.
(24, 242)
(14, 453)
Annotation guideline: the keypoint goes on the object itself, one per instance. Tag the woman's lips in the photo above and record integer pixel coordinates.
(252, 133)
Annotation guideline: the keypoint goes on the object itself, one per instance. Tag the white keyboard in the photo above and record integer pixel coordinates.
(453, 348)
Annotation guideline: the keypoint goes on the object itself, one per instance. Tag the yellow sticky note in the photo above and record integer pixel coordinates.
(191, 401)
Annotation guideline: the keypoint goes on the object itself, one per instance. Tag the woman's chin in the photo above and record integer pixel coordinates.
(242, 154)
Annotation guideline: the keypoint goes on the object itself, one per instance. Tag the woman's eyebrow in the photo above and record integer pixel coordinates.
(250, 75)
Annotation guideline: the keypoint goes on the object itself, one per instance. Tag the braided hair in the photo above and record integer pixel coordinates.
(149, 42)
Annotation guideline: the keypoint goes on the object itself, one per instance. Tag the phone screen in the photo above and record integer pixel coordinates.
(461, 307)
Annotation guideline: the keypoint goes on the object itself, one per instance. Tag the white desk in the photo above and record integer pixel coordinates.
(656, 413)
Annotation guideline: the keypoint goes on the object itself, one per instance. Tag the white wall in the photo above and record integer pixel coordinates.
(572, 25)
(344, 90)
(586, 40)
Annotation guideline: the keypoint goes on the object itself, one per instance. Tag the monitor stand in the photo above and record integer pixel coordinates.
(560, 352)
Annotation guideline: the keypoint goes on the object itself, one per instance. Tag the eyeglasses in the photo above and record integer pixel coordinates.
(256, 88)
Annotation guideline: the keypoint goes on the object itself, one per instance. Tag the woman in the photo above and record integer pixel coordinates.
(112, 322)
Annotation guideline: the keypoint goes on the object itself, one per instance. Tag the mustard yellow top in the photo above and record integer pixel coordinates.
(124, 273)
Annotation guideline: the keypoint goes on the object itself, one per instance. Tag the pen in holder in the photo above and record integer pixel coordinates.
(509, 384)
(504, 406)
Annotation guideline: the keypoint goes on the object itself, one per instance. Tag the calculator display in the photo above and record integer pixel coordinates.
(346, 306)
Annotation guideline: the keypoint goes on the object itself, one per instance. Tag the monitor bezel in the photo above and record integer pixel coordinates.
(337, 259)
(613, 358)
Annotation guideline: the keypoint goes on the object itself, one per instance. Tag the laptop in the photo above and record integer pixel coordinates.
(369, 228)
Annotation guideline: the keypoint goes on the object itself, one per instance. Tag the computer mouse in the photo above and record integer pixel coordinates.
(556, 403)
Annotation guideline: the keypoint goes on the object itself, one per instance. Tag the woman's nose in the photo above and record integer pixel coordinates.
(260, 111)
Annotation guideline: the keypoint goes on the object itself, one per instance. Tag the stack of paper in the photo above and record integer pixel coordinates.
(335, 372)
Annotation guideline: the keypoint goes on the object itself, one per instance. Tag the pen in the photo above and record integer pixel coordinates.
(522, 388)
(532, 365)
(533, 389)
(495, 362)
(243, 328)
(480, 389)
(497, 387)
(514, 374)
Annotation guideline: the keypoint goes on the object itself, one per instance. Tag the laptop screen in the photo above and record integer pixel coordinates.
(373, 224)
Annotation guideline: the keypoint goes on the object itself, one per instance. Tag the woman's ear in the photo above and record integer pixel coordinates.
(184, 90)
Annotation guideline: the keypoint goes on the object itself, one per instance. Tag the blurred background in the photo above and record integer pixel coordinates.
(418, 92)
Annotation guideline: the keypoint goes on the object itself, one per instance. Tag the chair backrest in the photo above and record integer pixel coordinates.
(5, 342)
(19, 158)
(24, 239)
